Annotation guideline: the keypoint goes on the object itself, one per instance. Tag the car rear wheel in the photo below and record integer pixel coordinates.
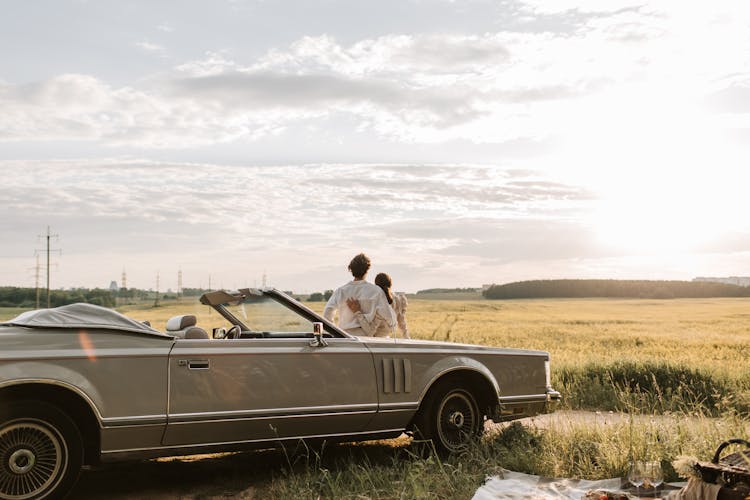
(40, 451)
(450, 418)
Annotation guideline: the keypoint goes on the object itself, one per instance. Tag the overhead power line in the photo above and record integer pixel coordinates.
(48, 251)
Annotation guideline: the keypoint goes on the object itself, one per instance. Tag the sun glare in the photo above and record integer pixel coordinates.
(667, 181)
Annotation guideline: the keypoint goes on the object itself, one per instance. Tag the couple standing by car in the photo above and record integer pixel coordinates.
(366, 309)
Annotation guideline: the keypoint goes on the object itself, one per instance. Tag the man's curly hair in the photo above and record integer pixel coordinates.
(359, 265)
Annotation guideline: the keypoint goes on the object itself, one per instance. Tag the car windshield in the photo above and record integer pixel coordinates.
(264, 314)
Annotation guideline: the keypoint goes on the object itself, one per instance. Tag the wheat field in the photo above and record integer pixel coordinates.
(676, 371)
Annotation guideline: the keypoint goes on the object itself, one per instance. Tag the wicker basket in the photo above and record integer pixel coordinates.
(731, 471)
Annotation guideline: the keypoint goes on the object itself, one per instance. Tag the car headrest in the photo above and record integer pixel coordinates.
(177, 323)
(196, 332)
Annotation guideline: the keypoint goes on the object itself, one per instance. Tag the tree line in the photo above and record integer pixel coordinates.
(446, 290)
(320, 297)
(585, 288)
(26, 297)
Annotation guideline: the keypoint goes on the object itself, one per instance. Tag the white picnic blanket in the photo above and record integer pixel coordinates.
(516, 485)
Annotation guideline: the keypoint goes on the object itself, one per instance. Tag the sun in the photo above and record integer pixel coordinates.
(665, 179)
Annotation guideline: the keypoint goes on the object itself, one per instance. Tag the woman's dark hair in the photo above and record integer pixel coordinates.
(359, 265)
(384, 282)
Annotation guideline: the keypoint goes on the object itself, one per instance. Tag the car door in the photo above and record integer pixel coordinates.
(254, 389)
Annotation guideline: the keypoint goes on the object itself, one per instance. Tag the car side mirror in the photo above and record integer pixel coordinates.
(219, 333)
(318, 340)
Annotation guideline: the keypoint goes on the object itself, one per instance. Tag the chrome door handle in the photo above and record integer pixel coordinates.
(198, 364)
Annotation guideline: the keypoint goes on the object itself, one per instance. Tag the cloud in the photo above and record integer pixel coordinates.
(586, 6)
(317, 92)
(424, 88)
(152, 48)
(496, 88)
(734, 98)
(425, 54)
(430, 225)
(165, 27)
(159, 214)
(501, 240)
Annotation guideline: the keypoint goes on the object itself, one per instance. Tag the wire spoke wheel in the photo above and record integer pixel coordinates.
(457, 420)
(40, 451)
(448, 417)
(32, 456)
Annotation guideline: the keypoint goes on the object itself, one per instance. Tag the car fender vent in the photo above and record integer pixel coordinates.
(396, 375)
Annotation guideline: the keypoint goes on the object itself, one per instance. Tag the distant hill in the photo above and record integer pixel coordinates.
(449, 294)
(643, 289)
(447, 290)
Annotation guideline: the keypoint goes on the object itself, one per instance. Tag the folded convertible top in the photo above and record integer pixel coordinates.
(80, 315)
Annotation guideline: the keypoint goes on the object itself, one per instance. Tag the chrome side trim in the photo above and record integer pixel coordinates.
(64, 385)
(410, 405)
(266, 417)
(99, 355)
(276, 412)
(523, 399)
(265, 440)
(134, 420)
(412, 350)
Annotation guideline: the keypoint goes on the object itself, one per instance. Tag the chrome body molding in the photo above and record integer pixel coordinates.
(524, 398)
(408, 405)
(134, 421)
(58, 383)
(273, 413)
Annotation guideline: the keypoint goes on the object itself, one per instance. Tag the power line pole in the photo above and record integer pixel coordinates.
(37, 270)
(156, 300)
(48, 250)
(179, 283)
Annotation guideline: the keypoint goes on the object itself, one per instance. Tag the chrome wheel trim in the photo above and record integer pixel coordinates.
(457, 420)
(32, 458)
(21, 461)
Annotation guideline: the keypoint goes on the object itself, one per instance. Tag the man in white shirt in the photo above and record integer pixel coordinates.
(371, 298)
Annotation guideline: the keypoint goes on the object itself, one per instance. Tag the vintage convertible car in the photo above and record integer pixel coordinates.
(81, 384)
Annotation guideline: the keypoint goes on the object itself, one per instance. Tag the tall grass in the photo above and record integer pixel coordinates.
(578, 447)
(656, 387)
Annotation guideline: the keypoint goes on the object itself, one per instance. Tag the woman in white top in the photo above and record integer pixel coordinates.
(378, 327)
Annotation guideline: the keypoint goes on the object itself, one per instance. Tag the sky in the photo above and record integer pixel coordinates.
(456, 143)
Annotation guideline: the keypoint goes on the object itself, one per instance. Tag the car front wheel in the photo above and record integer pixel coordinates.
(450, 418)
(40, 451)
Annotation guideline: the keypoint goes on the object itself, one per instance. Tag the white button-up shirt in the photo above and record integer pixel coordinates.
(371, 299)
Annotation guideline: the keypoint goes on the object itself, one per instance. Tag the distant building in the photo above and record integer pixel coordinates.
(729, 280)
(113, 287)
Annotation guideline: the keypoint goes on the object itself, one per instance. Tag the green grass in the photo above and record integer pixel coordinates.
(561, 448)
(7, 313)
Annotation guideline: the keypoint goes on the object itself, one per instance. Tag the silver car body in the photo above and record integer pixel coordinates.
(135, 392)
